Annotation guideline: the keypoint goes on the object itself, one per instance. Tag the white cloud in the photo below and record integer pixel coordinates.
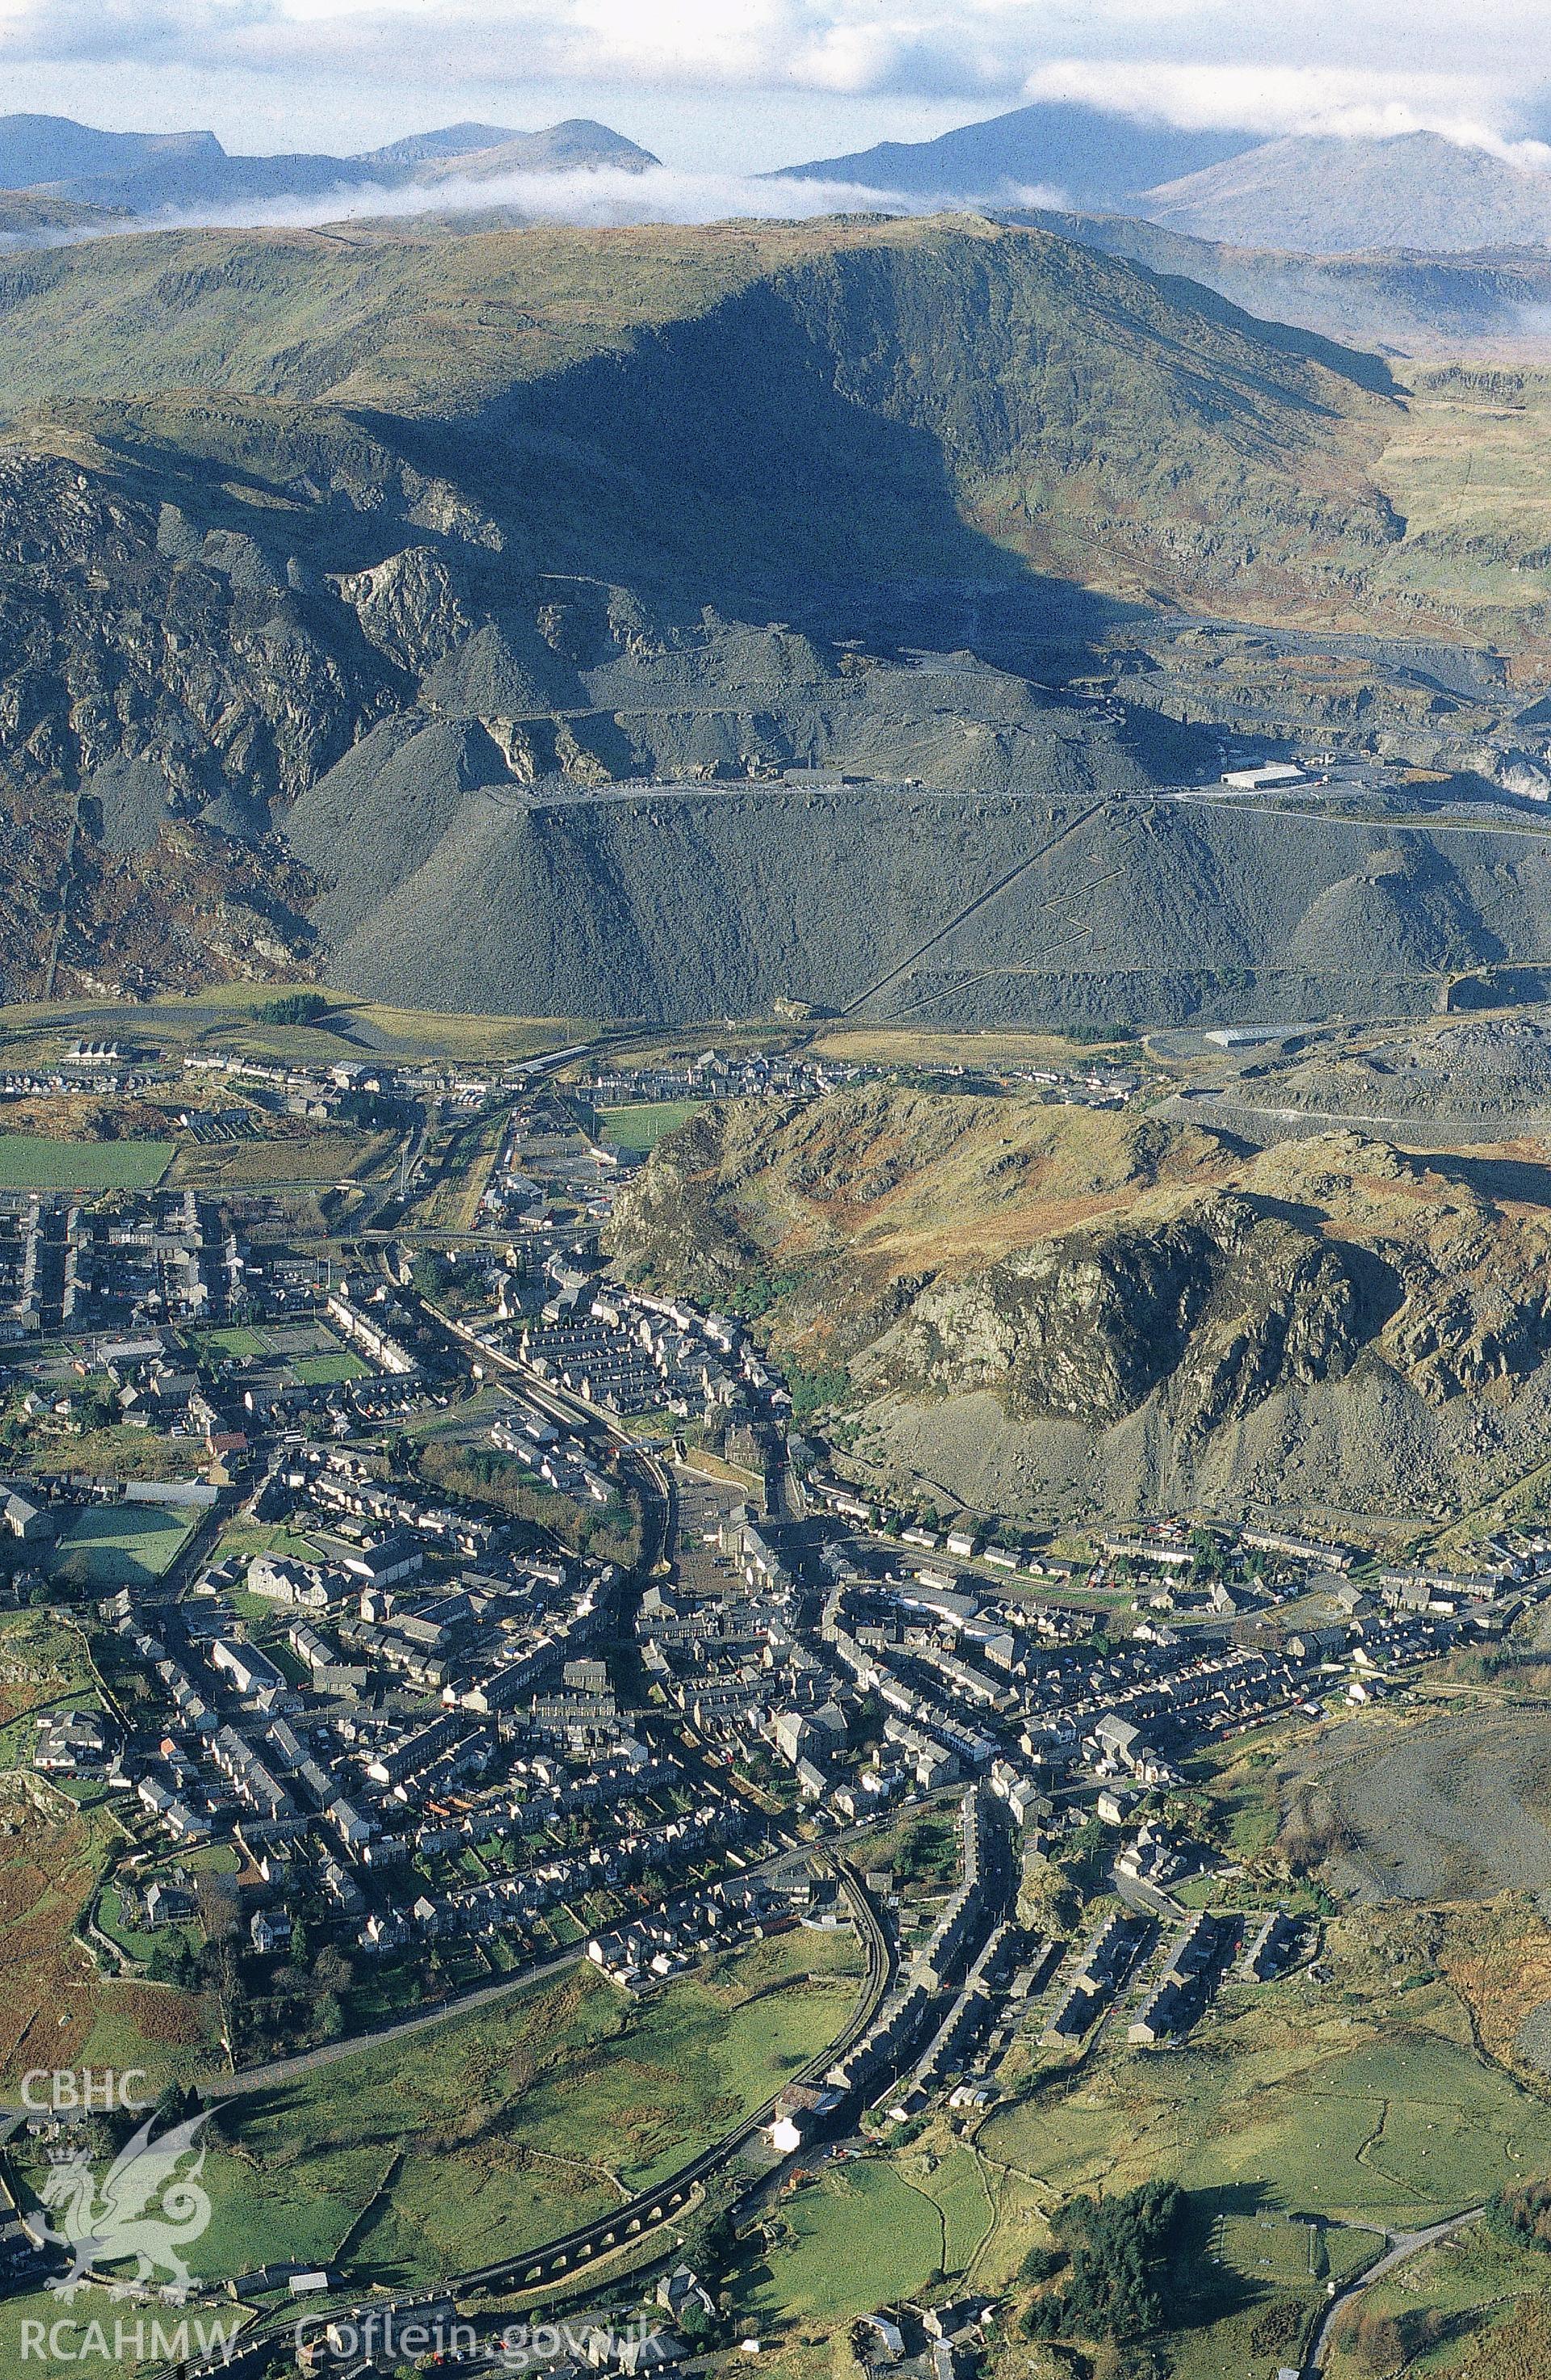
(1349, 102)
(1267, 98)
(1383, 50)
(587, 195)
(1340, 65)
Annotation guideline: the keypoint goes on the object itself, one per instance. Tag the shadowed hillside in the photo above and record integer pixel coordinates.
(376, 553)
(755, 402)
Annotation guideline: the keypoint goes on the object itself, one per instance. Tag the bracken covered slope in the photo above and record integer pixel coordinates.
(1052, 1309)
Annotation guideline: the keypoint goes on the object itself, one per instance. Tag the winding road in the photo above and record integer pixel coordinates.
(1403, 2245)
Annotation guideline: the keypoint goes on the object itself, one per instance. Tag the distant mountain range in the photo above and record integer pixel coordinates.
(1094, 158)
(155, 173)
(1337, 197)
(1306, 195)
(1319, 195)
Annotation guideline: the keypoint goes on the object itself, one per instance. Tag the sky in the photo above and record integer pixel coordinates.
(736, 86)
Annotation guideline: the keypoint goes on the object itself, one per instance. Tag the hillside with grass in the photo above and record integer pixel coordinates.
(922, 386)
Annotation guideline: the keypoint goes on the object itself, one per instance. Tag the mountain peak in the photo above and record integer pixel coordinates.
(42, 149)
(158, 174)
(449, 140)
(1093, 156)
(576, 142)
(1330, 195)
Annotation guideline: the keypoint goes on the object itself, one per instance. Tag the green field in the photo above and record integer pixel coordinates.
(226, 1015)
(119, 1453)
(1397, 2130)
(1400, 2132)
(641, 1128)
(858, 2239)
(322, 1156)
(140, 1945)
(242, 1539)
(869, 2230)
(407, 2161)
(328, 1371)
(1362, 2108)
(31, 1160)
(95, 2351)
(124, 1544)
(234, 1340)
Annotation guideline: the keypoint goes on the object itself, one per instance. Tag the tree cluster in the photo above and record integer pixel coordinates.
(292, 1008)
(1118, 2254)
(1521, 2217)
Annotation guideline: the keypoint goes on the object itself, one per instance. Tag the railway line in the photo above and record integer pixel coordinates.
(653, 1480)
(561, 2259)
(575, 2252)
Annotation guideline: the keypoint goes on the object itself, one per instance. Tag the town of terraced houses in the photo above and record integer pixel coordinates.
(430, 1610)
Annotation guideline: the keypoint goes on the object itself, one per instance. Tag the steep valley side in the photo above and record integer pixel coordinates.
(440, 614)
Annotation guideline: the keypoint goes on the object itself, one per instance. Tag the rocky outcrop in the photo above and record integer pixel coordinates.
(1056, 1312)
(409, 608)
(1217, 1309)
(670, 1228)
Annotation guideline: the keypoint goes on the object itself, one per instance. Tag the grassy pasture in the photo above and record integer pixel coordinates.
(1355, 2108)
(232, 1340)
(326, 1371)
(860, 2237)
(225, 1016)
(125, 1545)
(407, 2161)
(900, 1045)
(31, 1160)
(1321, 2116)
(641, 1128)
(321, 1156)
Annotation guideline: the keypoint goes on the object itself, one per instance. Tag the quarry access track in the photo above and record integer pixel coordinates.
(1401, 2246)
(972, 908)
(1483, 1128)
